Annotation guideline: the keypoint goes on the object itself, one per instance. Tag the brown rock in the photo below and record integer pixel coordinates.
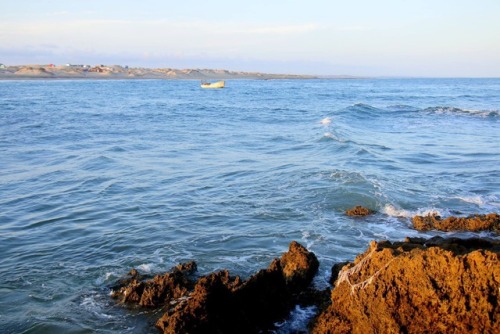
(210, 308)
(475, 223)
(298, 266)
(358, 211)
(223, 304)
(158, 291)
(418, 286)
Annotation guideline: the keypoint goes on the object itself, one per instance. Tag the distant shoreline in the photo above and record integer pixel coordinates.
(117, 72)
(106, 72)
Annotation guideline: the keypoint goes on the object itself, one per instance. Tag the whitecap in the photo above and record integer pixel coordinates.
(429, 212)
(478, 200)
(107, 276)
(326, 121)
(328, 135)
(145, 267)
(392, 211)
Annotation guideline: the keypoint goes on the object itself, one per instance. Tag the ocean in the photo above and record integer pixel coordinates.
(101, 176)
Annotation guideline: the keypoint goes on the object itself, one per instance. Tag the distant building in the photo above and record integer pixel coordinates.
(3, 66)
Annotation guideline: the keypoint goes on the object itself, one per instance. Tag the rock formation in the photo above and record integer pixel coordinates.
(160, 290)
(358, 211)
(221, 303)
(418, 286)
(475, 223)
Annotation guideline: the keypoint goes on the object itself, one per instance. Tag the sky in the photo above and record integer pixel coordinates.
(424, 38)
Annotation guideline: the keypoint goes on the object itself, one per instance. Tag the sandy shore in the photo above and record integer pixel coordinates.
(119, 72)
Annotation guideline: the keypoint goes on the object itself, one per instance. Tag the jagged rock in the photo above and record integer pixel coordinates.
(158, 291)
(223, 304)
(418, 286)
(298, 266)
(475, 223)
(358, 211)
(212, 295)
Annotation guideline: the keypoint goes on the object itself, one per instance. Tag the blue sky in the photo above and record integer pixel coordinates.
(445, 38)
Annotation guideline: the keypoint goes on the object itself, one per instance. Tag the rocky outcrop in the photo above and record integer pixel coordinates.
(475, 223)
(160, 290)
(221, 303)
(358, 211)
(418, 286)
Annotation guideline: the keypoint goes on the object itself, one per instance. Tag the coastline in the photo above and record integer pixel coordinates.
(394, 286)
(118, 72)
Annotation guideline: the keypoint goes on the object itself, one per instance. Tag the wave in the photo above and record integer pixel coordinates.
(367, 109)
(393, 211)
(454, 110)
(364, 109)
(484, 203)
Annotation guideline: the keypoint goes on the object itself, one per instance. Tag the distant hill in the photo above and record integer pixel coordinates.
(124, 72)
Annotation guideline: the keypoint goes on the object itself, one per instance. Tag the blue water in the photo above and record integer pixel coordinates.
(98, 177)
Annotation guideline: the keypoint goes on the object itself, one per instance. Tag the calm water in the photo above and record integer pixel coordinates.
(98, 177)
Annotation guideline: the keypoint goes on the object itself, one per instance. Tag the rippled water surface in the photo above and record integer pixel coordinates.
(98, 177)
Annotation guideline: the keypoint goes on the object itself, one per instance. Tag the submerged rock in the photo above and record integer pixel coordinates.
(358, 211)
(418, 286)
(475, 223)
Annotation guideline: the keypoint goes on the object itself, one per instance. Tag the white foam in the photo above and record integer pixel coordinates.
(145, 267)
(392, 211)
(429, 212)
(478, 200)
(297, 321)
(91, 305)
(107, 276)
(326, 121)
(237, 259)
(329, 135)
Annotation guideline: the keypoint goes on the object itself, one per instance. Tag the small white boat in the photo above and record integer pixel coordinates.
(218, 84)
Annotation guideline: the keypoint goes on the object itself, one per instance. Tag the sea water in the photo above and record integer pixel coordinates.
(98, 177)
